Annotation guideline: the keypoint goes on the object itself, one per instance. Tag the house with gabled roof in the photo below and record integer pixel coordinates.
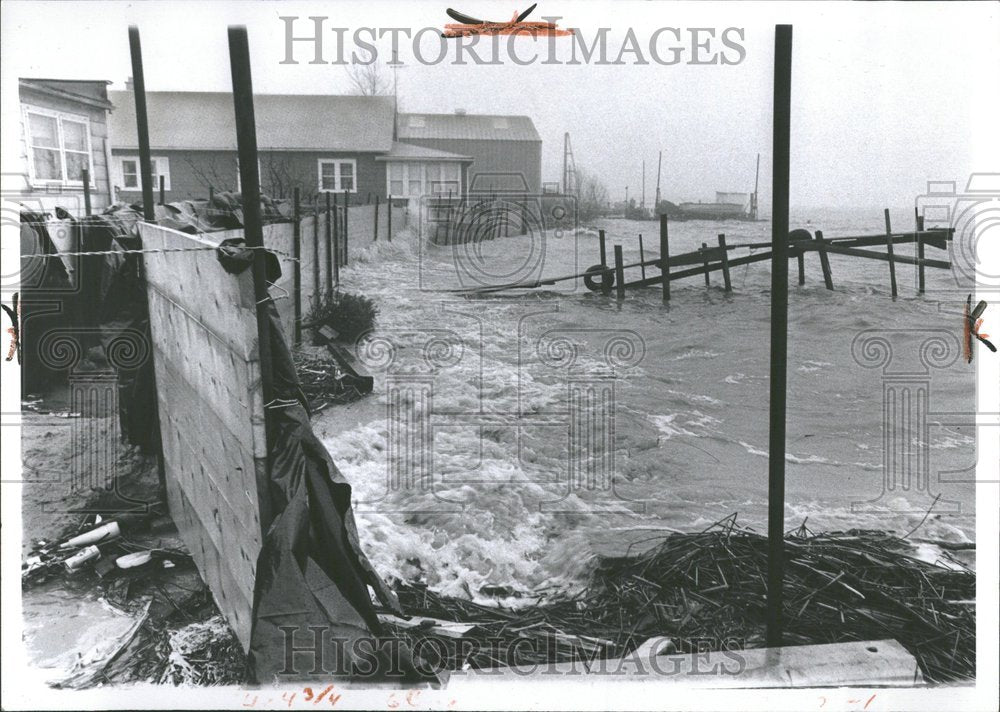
(317, 143)
(64, 131)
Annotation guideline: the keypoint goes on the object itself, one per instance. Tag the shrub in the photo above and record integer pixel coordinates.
(350, 315)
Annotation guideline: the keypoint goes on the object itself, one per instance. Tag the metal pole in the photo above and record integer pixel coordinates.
(253, 231)
(375, 233)
(779, 332)
(142, 124)
(347, 232)
(335, 226)
(85, 177)
(317, 291)
(297, 253)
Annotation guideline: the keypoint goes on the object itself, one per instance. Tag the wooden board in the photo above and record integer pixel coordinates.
(204, 331)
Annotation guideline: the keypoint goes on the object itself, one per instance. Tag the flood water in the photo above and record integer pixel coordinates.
(495, 381)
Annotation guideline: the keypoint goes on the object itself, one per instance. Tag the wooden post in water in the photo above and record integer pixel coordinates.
(665, 257)
(605, 289)
(253, 231)
(779, 333)
(889, 250)
(642, 258)
(142, 124)
(297, 267)
(801, 257)
(920, 253)
(704, 255)
(725, 263)
(619, 273)
(375, 237)
(85, 177)
(824, 259)
(163, 192)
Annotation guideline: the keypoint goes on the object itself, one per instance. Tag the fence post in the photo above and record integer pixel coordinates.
(347, 232)
(665, 257)
(619, 273)
(375, 237)
(889, 250)
(246, 142)
(335, 227)
(328, 230)
(824, 259)
(297, 268)
(725, 263)
(316, 287)
(704, 255)
(388, 218)
(85, 177)
(642, 258)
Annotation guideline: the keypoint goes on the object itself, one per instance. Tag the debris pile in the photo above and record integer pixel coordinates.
(711, 587)
(323, 381)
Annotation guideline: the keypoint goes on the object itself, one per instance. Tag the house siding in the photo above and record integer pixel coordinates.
(492, 157)
(46, 197)
(192, 173)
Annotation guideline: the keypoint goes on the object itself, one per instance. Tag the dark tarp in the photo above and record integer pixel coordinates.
(312, 577)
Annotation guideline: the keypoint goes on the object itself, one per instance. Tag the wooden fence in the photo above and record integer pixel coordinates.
(204, 333)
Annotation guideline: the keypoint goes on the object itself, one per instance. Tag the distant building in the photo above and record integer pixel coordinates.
(318, 143)
(64, 129)
(506, 151)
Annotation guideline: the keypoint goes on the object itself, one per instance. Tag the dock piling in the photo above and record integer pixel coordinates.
(642, 258)
(619, 274)
(920, 254)
(889, 250)
(725, 264)
(665, 257)
(824, 259)
(801, 258)
(605, 289)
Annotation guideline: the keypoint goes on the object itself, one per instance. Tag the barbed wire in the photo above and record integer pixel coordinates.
(162, 250)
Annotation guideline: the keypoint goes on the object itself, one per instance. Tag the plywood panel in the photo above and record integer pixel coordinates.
(204, 330)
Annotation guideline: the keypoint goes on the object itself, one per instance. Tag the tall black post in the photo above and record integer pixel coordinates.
(142, 124)
(253, 231)
(779, 331)
(85, 177)
(297, 253)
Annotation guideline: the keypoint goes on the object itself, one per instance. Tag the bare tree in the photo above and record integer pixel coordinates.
(369, 79)
(592, 195)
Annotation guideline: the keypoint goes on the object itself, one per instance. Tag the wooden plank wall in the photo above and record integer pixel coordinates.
(204, 332)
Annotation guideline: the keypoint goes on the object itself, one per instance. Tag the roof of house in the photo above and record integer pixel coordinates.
(205, 121)
(92, 92)
(409, 152)
(475, 127)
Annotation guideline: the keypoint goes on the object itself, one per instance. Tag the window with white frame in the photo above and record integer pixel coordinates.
(58, 146)
(129, 173)
(338, 174)
(413, 179)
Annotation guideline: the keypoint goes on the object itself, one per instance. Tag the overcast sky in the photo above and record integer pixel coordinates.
(885, 96)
